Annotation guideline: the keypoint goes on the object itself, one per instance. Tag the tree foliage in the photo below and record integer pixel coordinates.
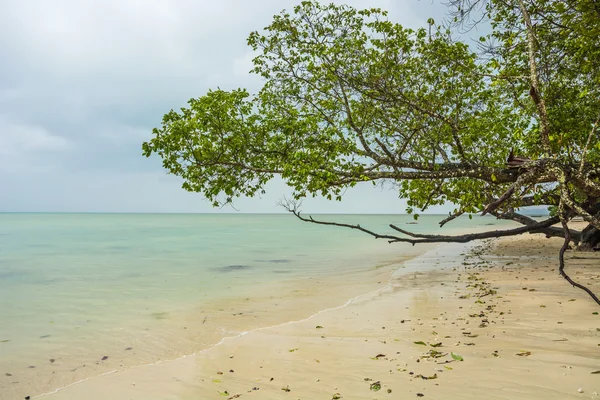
(350, 96)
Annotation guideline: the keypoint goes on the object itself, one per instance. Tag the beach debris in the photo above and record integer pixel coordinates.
(318, 327)
(375, 386)
(7, 374)
(128, 348)
(457, 357)
(216, 381)
(580, 390)
(271, 380)
(596, 372)
(231, 371)
(421, 343)
(595, 313)
(448, 368)
(495, 353)
(235, 396)
(45, 336)
(27, 397)
(219, 372)
(436, 344)
(286, 389)
(389, 391)
(31, 366)
(524, 353)
(104, 358)
(420, 395)
(52, 360)
(336, 396)
(434, 376)
(378, 356)
(5, 341)
(293, 350)
(225, 393)
(434, 354)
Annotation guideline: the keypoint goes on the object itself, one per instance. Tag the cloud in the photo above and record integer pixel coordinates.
(28, 146)
(83, 82)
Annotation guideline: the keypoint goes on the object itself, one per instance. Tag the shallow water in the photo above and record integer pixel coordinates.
(76, 287)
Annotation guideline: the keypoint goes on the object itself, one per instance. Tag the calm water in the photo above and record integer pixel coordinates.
(81, 280)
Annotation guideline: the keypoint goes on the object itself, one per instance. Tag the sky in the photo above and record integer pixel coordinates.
(83, 82)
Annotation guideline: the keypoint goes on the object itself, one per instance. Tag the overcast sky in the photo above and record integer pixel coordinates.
(83, 82)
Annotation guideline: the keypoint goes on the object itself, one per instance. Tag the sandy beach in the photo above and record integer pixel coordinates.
(497, 322)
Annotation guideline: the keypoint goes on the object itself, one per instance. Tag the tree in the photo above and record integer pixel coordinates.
(350, 96)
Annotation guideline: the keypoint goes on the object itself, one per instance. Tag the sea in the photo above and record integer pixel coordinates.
(87, 294)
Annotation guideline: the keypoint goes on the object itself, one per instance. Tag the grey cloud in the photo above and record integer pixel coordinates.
(83, 82)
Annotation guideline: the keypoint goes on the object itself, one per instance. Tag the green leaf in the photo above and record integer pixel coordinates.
(421, 343)
(375, 386)
(456, 357)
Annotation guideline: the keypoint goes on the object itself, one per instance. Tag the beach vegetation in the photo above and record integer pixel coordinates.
(351, 97)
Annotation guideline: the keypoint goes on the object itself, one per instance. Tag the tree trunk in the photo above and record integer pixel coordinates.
(590, 239)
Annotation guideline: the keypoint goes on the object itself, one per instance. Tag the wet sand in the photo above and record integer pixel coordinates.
(516, 329)
(168, 336)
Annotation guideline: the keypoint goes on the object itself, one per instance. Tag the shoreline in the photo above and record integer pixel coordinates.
(230, 322)
(516, 353)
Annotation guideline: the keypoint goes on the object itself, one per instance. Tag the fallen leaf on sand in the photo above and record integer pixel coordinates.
(524, 353)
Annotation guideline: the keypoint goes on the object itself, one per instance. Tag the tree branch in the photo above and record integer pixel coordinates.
(474, 236)
(587, 145)
(561, 260)
(535, 84)
(451, 217)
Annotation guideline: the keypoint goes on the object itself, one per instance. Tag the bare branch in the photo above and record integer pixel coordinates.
(451, 217)
(550, 231)
(561, 259)
(474, 236)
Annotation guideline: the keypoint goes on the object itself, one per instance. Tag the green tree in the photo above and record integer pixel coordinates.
(350, 96)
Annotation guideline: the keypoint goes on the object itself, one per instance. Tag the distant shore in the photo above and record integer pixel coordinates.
(497, 323)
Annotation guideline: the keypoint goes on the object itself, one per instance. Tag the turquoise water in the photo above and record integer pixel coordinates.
(74, 283)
